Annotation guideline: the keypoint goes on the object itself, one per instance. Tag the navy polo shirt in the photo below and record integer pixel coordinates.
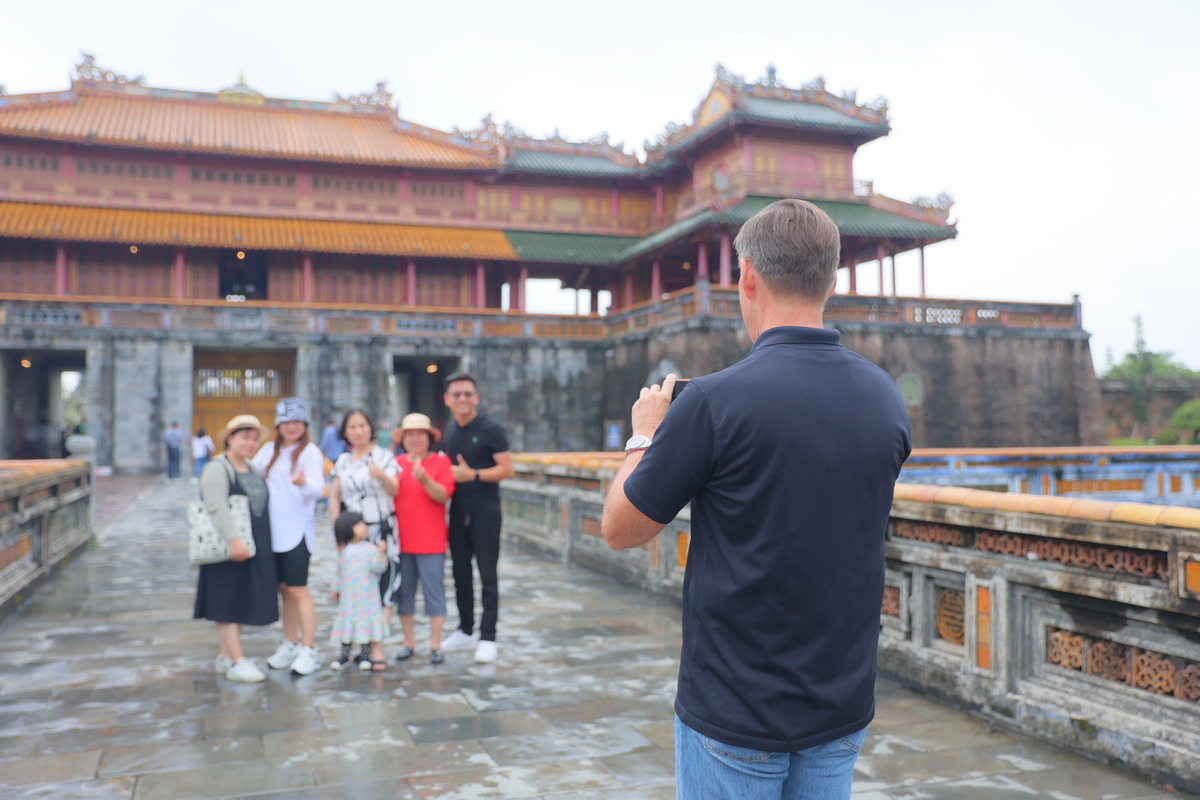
(789, 459)
(478, 442)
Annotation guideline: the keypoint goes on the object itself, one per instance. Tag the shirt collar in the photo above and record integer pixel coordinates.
(796, 334)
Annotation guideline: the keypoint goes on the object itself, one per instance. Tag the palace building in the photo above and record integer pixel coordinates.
(170, 255)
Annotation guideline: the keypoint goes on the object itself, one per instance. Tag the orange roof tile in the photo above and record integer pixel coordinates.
(128, 119)
(182, 229)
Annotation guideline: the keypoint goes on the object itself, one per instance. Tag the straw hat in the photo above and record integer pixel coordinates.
(417, 422)
(240, 422)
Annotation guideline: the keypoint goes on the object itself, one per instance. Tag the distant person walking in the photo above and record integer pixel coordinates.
(480, 457)
(425, 484)
(202, 450)
(173, 439)
(240, 591)
(364, 480)
(331, 442)
(293, 467)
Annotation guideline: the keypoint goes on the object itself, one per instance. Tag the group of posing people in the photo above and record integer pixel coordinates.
(393, 516)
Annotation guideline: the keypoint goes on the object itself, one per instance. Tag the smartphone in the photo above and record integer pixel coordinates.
(679, 384)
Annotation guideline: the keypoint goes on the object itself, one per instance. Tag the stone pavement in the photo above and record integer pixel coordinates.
(107, 690)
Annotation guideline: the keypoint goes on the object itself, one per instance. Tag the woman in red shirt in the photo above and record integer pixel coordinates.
(425, 484)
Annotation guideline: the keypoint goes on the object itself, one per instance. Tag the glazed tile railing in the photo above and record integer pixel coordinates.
(1071, 620)
(45, 512)
(1162, 475)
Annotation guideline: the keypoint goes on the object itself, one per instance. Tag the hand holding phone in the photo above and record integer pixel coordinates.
(679, 384)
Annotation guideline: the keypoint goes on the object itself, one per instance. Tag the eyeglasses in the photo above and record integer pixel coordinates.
(457, 395)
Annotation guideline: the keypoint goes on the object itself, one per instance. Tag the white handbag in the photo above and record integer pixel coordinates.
(206, 545)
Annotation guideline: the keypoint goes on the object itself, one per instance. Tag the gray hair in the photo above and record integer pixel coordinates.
(794, 246)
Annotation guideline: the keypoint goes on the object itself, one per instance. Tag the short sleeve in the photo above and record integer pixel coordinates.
(387, 462)
(499, 439)
(438, 468)
(678, 463)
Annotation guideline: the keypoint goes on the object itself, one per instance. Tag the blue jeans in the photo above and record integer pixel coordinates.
(706, 769)
(172, 462)
(198, 465)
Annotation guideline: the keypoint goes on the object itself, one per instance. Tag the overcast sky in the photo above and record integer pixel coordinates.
(1065, 129)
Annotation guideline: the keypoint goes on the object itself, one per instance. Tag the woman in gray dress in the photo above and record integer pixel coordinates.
(241, 591)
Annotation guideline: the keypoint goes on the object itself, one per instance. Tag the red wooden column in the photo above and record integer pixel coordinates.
(852, 264)
(879, 256)
(614, 291)
(628, 290)
(306, 278)
(180, 274)
(594, 288)
(922, 252)
(522, 277)
(60, 270)
(410, 282)
(660, 205)
(480, 286)
(702, 262)
(655, 280)
(726, 264)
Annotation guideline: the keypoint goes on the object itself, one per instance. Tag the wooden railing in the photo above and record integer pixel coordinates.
(1070, 620)
(45, 517)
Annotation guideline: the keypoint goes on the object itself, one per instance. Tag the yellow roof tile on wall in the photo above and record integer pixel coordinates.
(230, 129)
(182, 229)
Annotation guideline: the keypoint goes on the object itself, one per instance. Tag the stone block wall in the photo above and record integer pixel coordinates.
(966, 387)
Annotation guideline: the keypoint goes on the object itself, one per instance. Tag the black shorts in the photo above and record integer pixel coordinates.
(292, 566)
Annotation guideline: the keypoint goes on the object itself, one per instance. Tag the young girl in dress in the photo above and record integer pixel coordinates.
(360, 614)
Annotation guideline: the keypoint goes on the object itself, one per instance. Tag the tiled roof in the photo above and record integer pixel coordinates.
(566, 248)
(853, 219)
(182, 229)
(808, 115)
(152, 123)
(545, 161)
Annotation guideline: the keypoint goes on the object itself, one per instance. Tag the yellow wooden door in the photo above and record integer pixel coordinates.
(227, 383)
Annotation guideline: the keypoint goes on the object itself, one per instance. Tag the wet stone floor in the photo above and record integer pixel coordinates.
(107, 690)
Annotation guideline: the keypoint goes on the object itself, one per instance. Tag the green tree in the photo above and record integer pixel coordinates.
(1140, 371)
(1187, 417)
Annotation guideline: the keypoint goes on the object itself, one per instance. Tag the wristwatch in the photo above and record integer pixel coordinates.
(638, 442)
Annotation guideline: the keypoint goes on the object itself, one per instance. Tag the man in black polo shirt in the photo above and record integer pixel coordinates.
(480, 458)
(789, 459)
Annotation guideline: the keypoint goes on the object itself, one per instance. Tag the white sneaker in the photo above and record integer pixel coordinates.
(458, 641)
(306, 662)
(223, 664)
(284, 655)
(245, 671)
(486, 652)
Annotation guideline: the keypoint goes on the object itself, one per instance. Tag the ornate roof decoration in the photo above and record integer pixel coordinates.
(242, 94)
(380, 98)
(507, 138)
(731, 95)
(87, 70)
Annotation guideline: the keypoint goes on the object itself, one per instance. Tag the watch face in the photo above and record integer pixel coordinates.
(637, 441)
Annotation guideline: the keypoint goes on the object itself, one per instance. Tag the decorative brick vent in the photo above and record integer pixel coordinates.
(891, 601)
(1101, 558)
(1147, 670)
(949, 615)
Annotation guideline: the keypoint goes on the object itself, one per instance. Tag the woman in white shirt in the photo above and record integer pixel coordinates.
(365, 479)
(202, 450)
(293, 467)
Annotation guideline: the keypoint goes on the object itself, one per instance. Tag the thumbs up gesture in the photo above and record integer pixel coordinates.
(462, 472)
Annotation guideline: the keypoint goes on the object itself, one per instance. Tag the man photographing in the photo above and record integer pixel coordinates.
(789, 459)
